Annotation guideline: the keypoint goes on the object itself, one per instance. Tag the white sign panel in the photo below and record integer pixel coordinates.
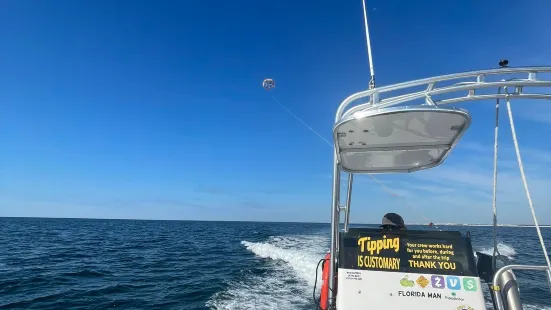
(363, 289)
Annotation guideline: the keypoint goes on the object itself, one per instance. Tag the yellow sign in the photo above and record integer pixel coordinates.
(422, 281)
(432, 264)
(376, 246)
(412, 251)
(377, 262)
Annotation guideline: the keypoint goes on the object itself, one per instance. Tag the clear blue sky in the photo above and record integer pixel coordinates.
(155, 110)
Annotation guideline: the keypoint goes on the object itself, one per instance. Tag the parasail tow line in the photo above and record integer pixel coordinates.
(298, 118)
(269, 84)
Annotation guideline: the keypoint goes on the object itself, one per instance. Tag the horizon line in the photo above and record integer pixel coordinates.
(243, 221)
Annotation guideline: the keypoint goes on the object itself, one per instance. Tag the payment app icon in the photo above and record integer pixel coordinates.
(422, 281)
(437, 282)
(453, 283)
(469, 284)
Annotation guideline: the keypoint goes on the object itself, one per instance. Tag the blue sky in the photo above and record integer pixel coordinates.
(155, 110)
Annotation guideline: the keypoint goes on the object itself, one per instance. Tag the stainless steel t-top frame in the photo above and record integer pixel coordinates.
(418, 136)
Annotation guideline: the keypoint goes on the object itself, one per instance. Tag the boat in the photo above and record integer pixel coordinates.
(406, 133)
(406, 128)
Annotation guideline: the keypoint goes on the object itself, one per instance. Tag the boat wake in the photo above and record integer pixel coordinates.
(286, 281)
(288, 273)
(504, 249)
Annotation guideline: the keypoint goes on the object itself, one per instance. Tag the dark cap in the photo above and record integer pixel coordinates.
(393, 219)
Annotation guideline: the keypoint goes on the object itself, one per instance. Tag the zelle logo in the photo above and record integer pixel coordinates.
(437, 282)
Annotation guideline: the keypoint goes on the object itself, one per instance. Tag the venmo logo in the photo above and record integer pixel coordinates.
(453, 283)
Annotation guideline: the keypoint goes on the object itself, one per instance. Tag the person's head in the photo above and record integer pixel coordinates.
(393, 221)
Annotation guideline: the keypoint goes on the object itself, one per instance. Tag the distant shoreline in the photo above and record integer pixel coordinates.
(486, 225)
(235, 221)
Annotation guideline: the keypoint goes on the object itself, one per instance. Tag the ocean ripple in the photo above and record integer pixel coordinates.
(99, 264)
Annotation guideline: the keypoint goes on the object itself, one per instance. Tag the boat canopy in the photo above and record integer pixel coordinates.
(398, 139)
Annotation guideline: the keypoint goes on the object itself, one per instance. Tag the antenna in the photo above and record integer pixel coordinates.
(372, 71)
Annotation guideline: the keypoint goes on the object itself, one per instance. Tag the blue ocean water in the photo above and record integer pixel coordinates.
(127, 264)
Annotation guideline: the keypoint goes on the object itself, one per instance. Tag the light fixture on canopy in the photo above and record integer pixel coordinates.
(398, 139)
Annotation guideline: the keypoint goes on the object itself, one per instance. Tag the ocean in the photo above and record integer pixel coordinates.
(131, 264)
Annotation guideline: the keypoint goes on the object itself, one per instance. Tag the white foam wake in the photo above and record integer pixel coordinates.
(504, 249)
(302, 259)
(290, 273)
(289, 278)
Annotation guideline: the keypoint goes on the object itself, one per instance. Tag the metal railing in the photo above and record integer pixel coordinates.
(479, 81)
(496, 289)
